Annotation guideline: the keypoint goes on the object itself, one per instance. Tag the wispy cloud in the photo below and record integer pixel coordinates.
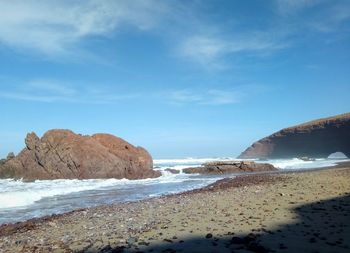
(294, 20)
(316, 15)
(52, 91)
(60, 28)
(287, 7)
(28, 97)
(54, 27)
(51, 86)
(203, 97)
(209, 49)
(337, 15)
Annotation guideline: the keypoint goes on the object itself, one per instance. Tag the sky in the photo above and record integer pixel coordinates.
(181, 78)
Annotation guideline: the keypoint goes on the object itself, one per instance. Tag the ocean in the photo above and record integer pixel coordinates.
(21, 201)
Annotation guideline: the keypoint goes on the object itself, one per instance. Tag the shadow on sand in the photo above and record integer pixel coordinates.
(322, 226)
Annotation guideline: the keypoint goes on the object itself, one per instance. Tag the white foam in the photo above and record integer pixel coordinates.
(188, 161)
(16, 193)
(295, 163)
(19, 194)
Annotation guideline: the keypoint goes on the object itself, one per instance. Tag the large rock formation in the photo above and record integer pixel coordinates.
(316, 139)
(225, 167)
(64, 154)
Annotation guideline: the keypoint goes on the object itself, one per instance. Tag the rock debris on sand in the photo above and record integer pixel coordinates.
(294, 212)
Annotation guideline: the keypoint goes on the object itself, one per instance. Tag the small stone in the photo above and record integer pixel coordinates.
(52, 224)
(237, 240)
(209, 236)
(255, 247)
(132, 240)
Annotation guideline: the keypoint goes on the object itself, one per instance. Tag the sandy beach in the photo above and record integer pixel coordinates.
(281, 212)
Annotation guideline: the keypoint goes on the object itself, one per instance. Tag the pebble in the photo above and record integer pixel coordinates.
(237, 240)
(132, 240)
(209, 236)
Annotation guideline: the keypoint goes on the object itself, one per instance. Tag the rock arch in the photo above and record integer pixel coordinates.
(316, 139)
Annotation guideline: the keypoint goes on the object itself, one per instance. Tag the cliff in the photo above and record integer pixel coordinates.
(316, 139)
(64, 154)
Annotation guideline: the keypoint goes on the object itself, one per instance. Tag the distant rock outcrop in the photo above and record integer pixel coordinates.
(315, 139)
(64, 154)
(225, 167)
(172, 171)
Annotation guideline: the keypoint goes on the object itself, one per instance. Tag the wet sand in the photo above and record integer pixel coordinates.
(280, 212)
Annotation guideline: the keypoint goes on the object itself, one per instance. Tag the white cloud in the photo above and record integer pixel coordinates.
(28, 97)
(222, 97)
(316, 15)
(50, 86)
(57, 27)
(53, 91)
(292, 6)
(206, 97)
(54, 27)
(208, 49)
(337, 15)
(50, 91)
(211, 46)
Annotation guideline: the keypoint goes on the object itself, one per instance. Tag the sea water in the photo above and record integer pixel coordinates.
(24, 200)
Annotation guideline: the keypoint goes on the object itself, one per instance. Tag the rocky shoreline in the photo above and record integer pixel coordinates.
(252, 213)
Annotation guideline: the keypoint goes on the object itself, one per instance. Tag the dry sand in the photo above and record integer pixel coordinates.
(286, 212)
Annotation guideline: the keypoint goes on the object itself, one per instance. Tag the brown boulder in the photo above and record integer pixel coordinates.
(314, 139)
(225, 167)
(64, 154)
(172, 171)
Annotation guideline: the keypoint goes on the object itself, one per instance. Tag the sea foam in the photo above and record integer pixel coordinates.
(21, 200)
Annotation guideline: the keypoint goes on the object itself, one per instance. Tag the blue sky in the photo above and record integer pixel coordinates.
(181, 78)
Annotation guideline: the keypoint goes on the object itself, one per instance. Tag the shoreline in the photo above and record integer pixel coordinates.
(229, 177)
(159, 217)
(238, 181)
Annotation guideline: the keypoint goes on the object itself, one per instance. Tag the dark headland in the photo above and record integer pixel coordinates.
(316, 139)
